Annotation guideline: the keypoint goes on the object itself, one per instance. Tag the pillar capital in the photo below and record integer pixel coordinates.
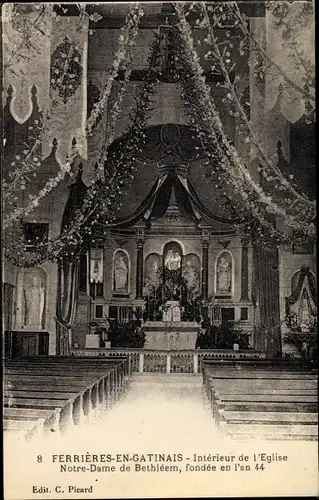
(245, 241)
(205, 237)
(205, 243)
(140, 243)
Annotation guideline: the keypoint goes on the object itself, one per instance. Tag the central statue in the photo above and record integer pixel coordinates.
(173, 260)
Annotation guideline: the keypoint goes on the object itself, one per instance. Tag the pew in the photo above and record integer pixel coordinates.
(256, 399)
(51, 393)
(55, 362)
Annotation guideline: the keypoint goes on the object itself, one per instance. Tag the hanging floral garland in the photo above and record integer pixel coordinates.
(237, 174)
(235, 11)
(241, 215)
(100, 206)
(127, 41)
(26, 164)
(103, 198)
(300, 202)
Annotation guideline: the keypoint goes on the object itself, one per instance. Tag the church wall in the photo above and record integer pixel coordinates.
(57, 200)
(9, 273)
(166, 105)
(50, 210)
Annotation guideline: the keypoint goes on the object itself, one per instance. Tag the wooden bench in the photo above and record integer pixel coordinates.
(58, 362)
(88, 368)
(254, 398)
(53, 393)
(259, 386)
(273, 432)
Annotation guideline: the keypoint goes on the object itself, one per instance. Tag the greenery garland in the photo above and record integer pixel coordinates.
(127, 40)
(204, 112)
(103, 198)
(299, 201)
(119, 168)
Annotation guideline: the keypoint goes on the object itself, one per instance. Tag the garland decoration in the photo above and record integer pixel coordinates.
(300, 202)
(31, 159)
(234, 9)
(103, 197)
(127, 40)
(234, 171)
(254, 210)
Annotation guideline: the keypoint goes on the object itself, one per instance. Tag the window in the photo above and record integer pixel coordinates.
(228, 315)
(302, 249)
(122, 314)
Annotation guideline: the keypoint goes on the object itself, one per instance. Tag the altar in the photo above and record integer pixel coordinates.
(170, 335)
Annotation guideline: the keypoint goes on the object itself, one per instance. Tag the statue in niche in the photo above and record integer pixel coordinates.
(120, 274)
(191, 275)
(153, 278)
(97, 274)
(34, 305)
(173, 260)
(224, 275)
(304, 313)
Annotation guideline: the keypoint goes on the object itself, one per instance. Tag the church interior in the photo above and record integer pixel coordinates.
(159, 203)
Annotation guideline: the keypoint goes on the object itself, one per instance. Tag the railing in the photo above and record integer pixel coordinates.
(153, 361)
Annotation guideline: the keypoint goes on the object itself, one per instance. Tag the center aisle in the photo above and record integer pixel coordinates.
(158, 410)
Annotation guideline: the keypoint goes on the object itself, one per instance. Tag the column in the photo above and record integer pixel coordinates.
(141, 363)
(195, 366)
(205, 246)
(168, 363)
(139, 267)
(244, 270)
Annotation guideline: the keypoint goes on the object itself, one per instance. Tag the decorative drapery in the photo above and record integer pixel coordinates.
(68, 75)
(304, 274)
(50, 52)
(266, 295)
(68, 273)
(161, 192)
(67, 300)
(26, 55)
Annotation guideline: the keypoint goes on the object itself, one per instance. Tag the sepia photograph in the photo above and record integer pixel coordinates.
(159, 290)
